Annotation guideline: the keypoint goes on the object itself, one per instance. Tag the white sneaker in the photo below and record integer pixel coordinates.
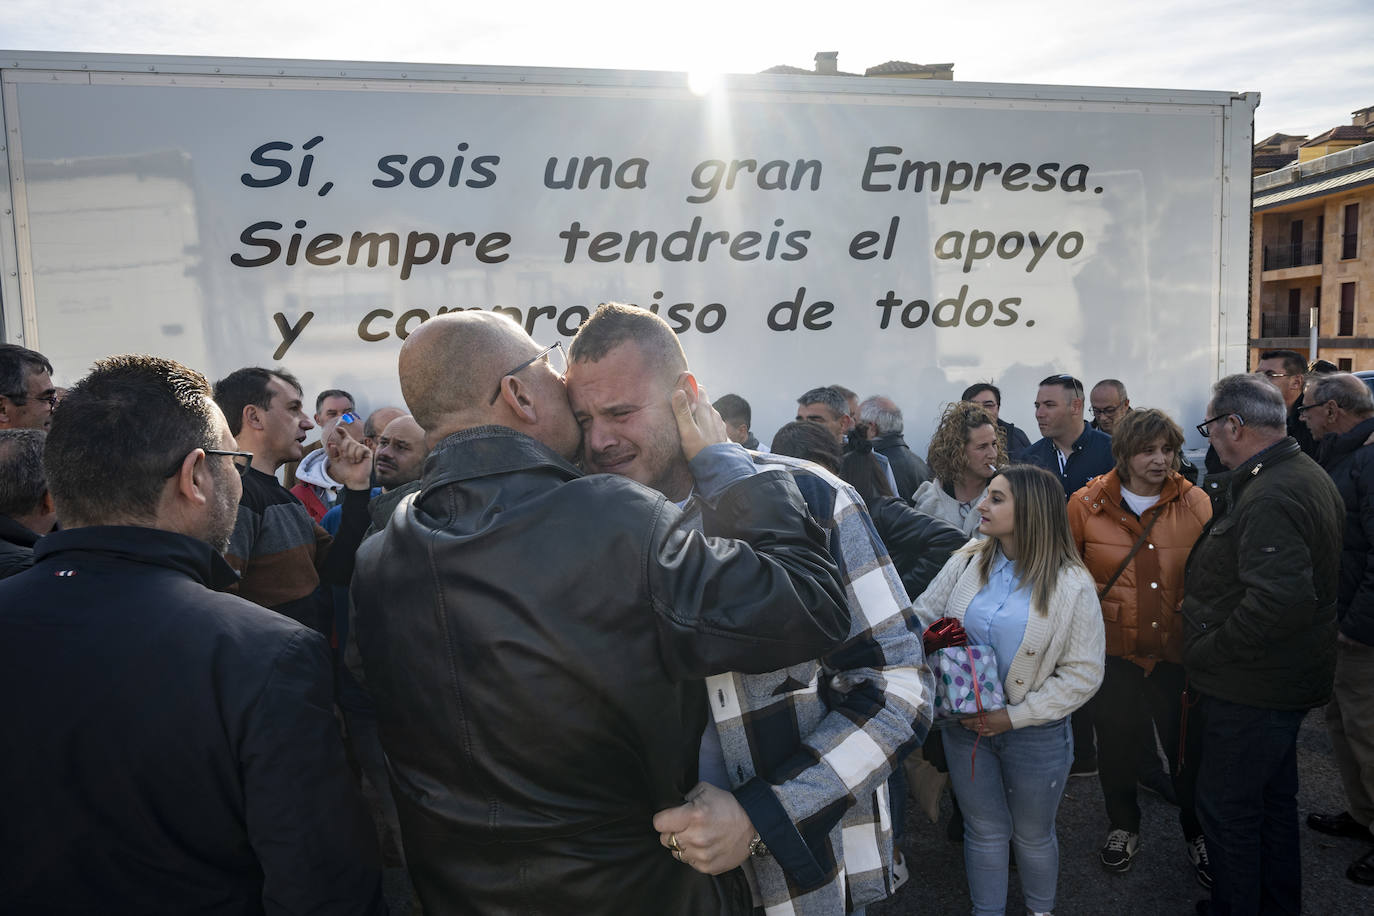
(1202, 865)
(1119, 850)
(899, 871)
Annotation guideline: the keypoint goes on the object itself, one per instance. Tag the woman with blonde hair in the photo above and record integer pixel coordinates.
(1134, 527)
(965, 452)
(1023, 591)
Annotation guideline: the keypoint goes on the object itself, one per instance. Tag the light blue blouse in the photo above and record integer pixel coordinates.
(997, 615)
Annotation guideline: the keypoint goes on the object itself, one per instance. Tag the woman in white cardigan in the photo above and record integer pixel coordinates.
(1023, 591)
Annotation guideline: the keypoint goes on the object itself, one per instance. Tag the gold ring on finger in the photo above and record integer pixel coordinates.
(672, 843)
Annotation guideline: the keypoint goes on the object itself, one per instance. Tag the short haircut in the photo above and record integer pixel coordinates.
(847, 394)
(22, 483)
(331, 393)
(119, 432)
(16, 365)
(1350, 393)
(828, 395)
(247, 386)
(734, 410)
(1293, 362)
(810, 442)
(614, 323)
(1137, 430)
(972, 391)
(1251, 398)
(1070, 384)
(1113, 383)
(1322, 367)
(882, 413)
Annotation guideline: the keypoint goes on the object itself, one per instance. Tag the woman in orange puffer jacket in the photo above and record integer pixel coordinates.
(1143, 499)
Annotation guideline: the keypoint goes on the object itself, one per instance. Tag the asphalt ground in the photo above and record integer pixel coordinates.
(1161, 880)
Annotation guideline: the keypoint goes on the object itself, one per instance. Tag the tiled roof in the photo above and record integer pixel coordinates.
(789, 70)
(1344, 132)
(1277, 139)
(894, 67)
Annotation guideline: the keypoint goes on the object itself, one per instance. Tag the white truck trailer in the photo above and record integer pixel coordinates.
(896, 236)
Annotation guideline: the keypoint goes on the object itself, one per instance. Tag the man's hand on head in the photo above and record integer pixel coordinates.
(697, 424)
(711, 832)
(350, 462)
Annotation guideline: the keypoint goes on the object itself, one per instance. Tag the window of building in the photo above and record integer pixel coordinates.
(1321, 237)
(1350, 237)
(1347, 327)
(1345, 364)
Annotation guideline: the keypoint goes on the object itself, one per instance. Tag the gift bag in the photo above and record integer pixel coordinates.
(966, 681)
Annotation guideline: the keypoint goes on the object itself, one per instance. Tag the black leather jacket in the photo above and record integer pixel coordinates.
(532, 639)
(919, 543)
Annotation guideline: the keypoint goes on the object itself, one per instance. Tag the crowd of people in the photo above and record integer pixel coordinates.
(563, 635)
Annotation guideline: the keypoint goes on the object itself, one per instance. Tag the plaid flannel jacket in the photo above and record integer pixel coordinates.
(809, 748)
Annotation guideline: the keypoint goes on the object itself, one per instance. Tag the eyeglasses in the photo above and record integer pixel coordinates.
(1270, 373)
(1105, 411)
(1202, 427)
(25, 397)
(1307, 407)
(550, 352)
(214, 451)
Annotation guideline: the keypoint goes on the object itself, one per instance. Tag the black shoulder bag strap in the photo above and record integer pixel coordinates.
(1140, 541)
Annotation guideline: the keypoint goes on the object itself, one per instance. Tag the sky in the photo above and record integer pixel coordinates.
(1312, 62)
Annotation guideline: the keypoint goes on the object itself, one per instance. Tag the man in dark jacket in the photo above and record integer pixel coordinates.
(1259, 616)
(169, 749)
(1340, 412)
(1070, 449)
(883, 418)
(26, 509)
(989, 397)
(534, 638)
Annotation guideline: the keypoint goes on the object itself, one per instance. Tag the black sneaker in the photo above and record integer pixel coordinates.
(1119, 850)
(1338, 825)
(1202, 866)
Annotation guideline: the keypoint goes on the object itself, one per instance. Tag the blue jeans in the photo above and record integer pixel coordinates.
(1010, 793)
(1247, 800)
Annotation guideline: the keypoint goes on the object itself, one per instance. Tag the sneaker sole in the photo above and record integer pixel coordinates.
(1124, 867)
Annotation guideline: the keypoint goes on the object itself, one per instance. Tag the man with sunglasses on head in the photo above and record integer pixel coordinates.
(168, 748)
(1070, 449)
(1259, 649)
(280, 551)
(27, 395)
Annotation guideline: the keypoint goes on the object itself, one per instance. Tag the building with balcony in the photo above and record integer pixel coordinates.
(1313, 238)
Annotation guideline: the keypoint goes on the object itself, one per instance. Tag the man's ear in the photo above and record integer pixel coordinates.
(252, 416)
(688, 383)
(519, 398)
(45, 505)
(4, 412)
(193, 478)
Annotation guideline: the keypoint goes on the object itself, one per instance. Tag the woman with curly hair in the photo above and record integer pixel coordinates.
(965, 453)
